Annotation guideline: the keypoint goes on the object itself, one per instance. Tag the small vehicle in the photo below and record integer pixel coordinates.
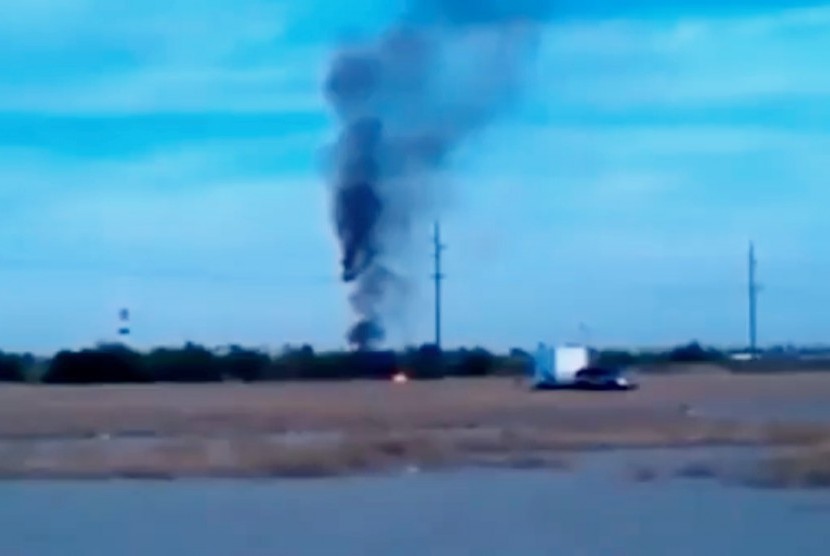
(602, 378)
(574, 367)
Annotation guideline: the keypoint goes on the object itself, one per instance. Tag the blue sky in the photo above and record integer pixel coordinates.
(166, 156)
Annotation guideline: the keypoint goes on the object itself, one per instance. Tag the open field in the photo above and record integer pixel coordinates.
(300, 429)
(27, 411)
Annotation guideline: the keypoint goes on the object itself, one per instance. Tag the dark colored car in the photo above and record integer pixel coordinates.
(602, 378)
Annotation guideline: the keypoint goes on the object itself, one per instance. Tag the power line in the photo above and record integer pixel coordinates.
(753, 301)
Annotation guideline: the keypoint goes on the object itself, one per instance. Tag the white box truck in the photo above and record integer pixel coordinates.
(573, 367)
(557, 366)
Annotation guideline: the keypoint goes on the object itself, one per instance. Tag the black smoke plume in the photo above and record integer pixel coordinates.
(405, 101)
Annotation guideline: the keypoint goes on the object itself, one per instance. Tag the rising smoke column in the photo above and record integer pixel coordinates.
(405, 100)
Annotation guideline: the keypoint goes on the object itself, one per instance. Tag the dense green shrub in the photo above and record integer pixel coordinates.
(13, 367)
(190, 364)
(243, 364)
(194, 363)
(694, 353)
(475, 363)
(425, 362)
(106, 364)
(617, 358)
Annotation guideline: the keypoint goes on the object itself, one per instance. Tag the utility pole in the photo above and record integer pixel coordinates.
(438, 277)
(753, 302)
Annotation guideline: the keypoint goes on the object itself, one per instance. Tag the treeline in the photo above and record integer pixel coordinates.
(193, 363)
(693, 352)
(117, 364)
(772, 359)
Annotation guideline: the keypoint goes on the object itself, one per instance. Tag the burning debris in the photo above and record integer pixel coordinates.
(405, 101)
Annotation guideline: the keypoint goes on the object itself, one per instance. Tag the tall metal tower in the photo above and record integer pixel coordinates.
(438, 277)
(753, 301)
(124, 325)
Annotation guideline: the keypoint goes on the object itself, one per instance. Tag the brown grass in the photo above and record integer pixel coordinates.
(800, 467)
(803, 468)
(227, 430)
(258, 456)
(222, 409)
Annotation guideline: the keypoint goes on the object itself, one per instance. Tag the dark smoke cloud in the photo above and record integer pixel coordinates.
(405, 101)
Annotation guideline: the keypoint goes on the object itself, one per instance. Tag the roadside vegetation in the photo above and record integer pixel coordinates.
(192, 363)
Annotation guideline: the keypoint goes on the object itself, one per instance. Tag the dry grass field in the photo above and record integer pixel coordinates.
(269, 429)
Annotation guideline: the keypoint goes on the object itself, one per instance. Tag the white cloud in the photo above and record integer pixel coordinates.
(700, 161)
(651, 206)
(28, 23)
(169, 89)
(623, 63)
(194, 202)
(796, 19)
(156, 56)
(189, 56)
(225, 229)
(206, 27)
(32, 173)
